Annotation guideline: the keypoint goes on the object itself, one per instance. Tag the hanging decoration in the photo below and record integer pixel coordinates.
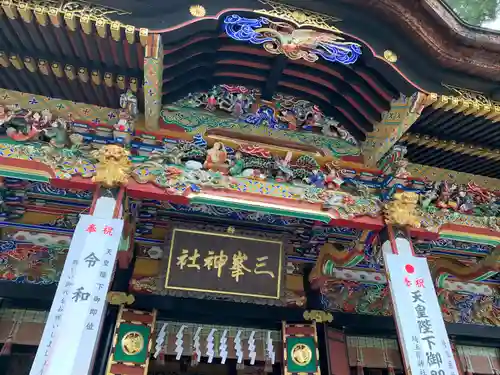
(160, 346)
(251, 348)
(223, 347)
(160, 340)
(196, 348)
(270, 348)
(218, 343)
(238, 348)
(179, 342)
(210, 345)
(281, 38)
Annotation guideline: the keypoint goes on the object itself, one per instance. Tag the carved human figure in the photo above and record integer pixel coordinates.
(238, 106)
(58, 133)
(237, 164)
(216, 158)
(316, 178)
(334, 179)
(285, 173)
(400, 170)
(5, 115)
(211, 103)
(128, 112)
(30, 125)
(314, 119)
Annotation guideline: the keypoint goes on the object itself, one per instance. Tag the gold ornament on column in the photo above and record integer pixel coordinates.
(132, 343)
(197, 11)
(301, 354)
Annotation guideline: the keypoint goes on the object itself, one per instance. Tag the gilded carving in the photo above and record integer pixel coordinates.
(113, 166)
(319, 316)
(402, 210)
(300, 17)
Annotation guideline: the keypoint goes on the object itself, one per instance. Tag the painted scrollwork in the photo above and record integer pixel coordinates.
(374, 299)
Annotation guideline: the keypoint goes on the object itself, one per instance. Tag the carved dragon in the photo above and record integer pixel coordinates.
(330, 252)
(467, 272)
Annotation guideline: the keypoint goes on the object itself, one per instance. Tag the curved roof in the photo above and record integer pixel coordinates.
(434, 46)
(356, 95)
(479, 13)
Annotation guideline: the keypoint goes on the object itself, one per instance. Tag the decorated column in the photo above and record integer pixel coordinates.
(153, 81)
(300, 349)
(423, 339)
(132, 342)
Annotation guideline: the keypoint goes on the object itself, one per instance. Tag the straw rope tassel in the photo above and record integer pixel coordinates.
(7, 346)
(359, 361)
(390, 367)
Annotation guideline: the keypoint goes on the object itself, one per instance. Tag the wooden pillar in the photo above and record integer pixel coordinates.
(336, 351)
(106, 342)
(153, 81)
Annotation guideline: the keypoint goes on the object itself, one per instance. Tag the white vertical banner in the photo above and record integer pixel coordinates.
(422, 332)
(73, 340)
(62, 296)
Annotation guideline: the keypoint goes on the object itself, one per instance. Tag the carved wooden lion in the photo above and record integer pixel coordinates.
(402, 210)
(113, 167)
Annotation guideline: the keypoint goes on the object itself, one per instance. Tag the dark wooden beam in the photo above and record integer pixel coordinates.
(27, 296)
(203, 311)
(279, 64)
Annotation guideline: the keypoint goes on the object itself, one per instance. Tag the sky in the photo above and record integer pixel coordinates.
(494, 25)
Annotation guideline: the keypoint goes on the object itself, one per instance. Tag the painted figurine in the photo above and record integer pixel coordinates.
(238, 106)
(128, 112)
(32, 124)
(5, 115)
(238, 164)
(211, 103)
(401, 171)
(58, 132)
(444, 196)
(316, 178)
(216, 158)
(285, 173)
(334, 179)
(289, 118)
(314, 119)
(430, 195)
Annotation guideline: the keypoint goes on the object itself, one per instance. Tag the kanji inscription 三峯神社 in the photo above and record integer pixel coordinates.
(424, 340)
(225, 264)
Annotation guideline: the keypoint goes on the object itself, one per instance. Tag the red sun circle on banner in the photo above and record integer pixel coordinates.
(409, 268)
